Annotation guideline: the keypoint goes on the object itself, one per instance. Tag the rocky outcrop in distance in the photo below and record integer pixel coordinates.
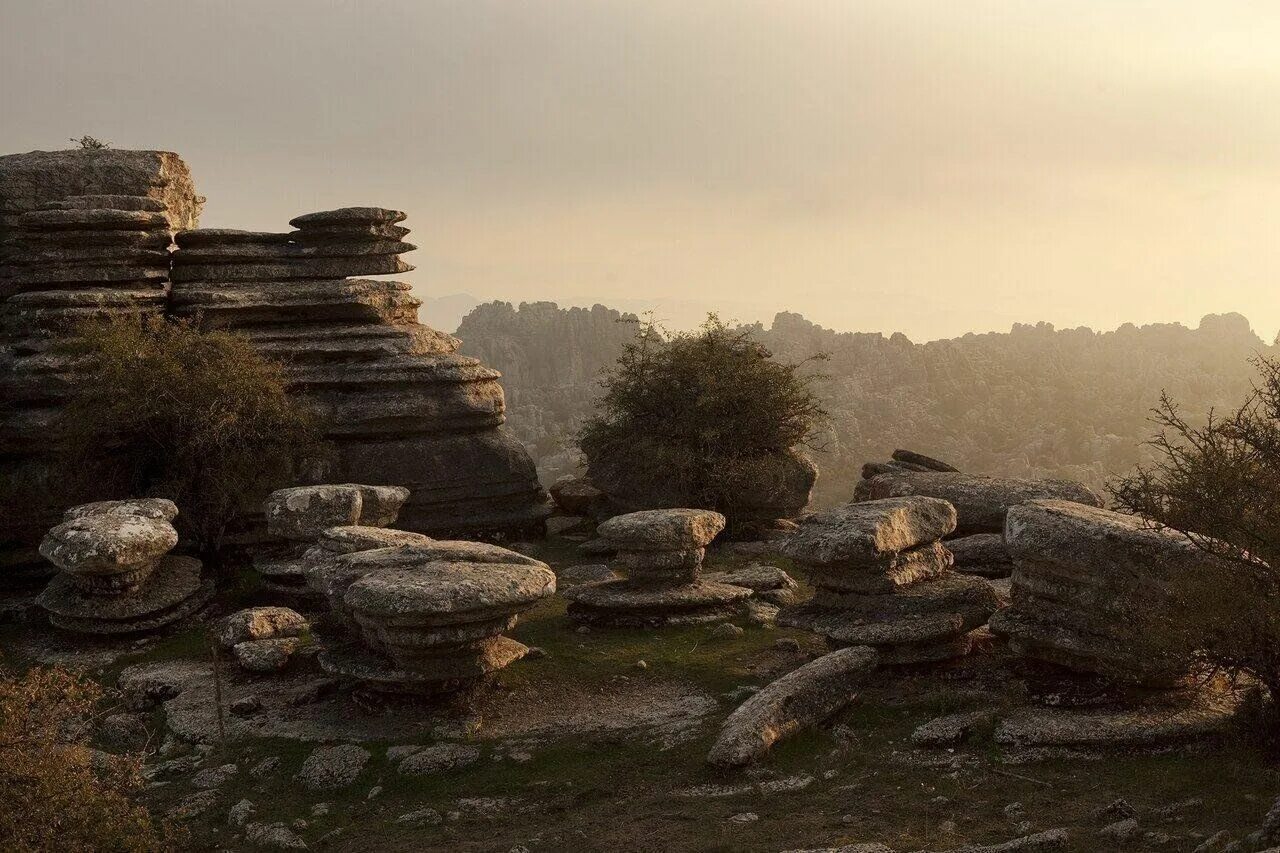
(1034, 402)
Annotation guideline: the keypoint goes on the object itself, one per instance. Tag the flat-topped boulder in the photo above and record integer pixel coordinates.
(359, 537)
(436, 626)
(662, 529)
(349, 216)
(111, 546)
(1102, 592)
(980, 502)
(303, 513)
(865, 533)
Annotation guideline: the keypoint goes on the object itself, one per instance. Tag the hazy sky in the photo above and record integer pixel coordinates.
(929, 166)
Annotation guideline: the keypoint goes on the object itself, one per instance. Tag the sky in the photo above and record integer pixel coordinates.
(926, 166)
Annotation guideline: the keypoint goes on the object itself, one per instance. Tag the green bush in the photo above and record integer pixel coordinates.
(162, 408)
(694, 413)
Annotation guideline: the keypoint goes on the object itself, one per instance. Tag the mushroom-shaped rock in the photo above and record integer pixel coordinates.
(801, 698)
(437, 626)
(862, 533)
(109, 549)
(662, 529)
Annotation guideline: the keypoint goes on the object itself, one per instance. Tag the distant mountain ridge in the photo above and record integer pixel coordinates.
(1034, 401)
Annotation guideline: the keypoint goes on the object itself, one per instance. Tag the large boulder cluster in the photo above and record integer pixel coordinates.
(117, 576)
(394, 397)
(660, 551)
(416, 615)
(981, 503)
(883, 578)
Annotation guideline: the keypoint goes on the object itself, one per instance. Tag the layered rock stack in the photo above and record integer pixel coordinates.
(317, 521)
(397, 401)
(83, 234)
(1110, 610)
(981, 503)
(883, 579)
(428, 618)
(660, 551)
(117, 574)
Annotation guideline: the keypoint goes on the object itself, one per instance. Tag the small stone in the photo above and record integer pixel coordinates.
(373, 792)
(241, 813)
(745, 817)
(1115, 810)
(535, 652)
(265, 767)
(727, 631)
(787, 644)
(214, 777)
(641, 664)
(421, 817)
(276, 836)
(261, 623)
(436, 759)
(331, 767)
(1121, 830)
(320, 810)
(245, 707)
(266, 656)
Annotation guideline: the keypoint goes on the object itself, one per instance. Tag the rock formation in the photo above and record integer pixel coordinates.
(660, 551)
(83, 234)
(117, 575)
(882, 579)
(981, 503)
(263, 639)
(801, 698)
(397, 401)
(429, 619)
(1112, 610)
(304, 516)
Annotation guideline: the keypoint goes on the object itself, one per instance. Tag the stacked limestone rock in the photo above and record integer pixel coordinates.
(883, 579)
(428, 618)
(263, 639)
(117, 575)
(981, 503)
(1110, 610)
(660, 551)
(83, 234)
(82, 258)
(397, 401)
(317, 521)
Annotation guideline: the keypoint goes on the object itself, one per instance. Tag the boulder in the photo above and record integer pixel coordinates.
(261, 623)
(980, 502)
(860, 533)
(662, 529)
(801, 698)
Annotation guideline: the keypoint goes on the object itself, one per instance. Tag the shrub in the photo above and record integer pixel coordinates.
(1219, 486)
(90, 143)
(162, 408)
(55, 793)
(695, 412)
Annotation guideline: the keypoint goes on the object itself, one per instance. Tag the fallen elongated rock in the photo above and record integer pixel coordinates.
(769, 582)
(801, 698)
(923, 461)
(865, 532)
(980, 502)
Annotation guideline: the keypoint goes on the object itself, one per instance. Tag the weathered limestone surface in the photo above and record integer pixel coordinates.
(397, 401)
(980, 502)
(429, 620)
(801, 698)
(660, 551)
(117, 577)
(1101, 592)
(983, 554)
(83, 234)
(882, 579)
